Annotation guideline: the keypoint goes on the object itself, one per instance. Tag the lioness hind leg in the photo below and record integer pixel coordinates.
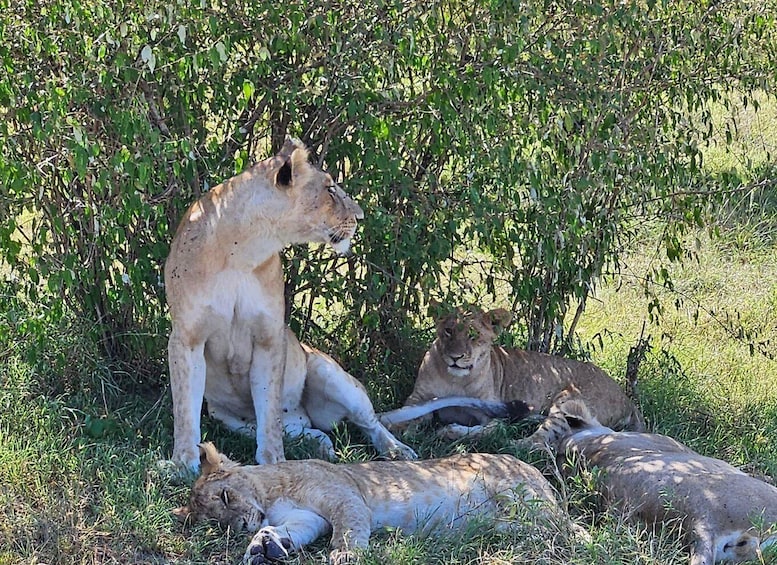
(232, 422)
(332, 395)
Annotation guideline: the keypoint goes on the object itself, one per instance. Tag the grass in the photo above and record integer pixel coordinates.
(78, 449)
(80, 441)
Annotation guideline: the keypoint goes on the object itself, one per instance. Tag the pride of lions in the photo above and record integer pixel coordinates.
(231, 348)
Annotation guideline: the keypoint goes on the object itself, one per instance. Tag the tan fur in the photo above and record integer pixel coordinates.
(294, 502)
(229, 341)
(464, 361)
(726, 515)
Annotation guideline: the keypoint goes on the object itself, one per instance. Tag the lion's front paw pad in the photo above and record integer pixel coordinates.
(266, 547)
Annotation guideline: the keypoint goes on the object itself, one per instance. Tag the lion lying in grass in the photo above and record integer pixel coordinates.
(464, 361)
(292, 503)
(726, 514)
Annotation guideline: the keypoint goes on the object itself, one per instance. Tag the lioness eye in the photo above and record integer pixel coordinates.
(332, 190)
(224, 497)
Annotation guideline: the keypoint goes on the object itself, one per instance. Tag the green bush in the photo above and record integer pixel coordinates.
(503, 151)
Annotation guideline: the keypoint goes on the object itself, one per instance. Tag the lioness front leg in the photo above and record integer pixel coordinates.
(187, 383)
(266, 379)
(348, 535)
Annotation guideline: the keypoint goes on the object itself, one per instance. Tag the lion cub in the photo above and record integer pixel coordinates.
(464, 361)
(294, 502)
(726, 514)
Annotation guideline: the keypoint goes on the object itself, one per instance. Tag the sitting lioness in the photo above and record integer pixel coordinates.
(464, 361)
(229, 342)
(726, 515)
(290, 504)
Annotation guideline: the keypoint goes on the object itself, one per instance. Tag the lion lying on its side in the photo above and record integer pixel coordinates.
(726, 514)
(464, 361)
(294, 502)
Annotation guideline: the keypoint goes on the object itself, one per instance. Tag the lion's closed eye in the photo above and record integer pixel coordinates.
(224, 496)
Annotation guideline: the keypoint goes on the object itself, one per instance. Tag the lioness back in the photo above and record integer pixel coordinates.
(463, 360)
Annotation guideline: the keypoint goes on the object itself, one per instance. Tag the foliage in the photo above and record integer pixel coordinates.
(503, 150)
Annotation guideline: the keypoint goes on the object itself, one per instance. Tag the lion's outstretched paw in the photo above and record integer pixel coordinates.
(267, 546)
(454, 432)
(528, 444)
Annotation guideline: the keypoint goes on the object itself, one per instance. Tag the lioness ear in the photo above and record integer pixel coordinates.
(295, 156)
(499, 319)
(283, 176)
(210, 458)
(574, 422)
(436, 310)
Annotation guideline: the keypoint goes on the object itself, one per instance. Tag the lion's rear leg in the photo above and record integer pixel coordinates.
(332, 395)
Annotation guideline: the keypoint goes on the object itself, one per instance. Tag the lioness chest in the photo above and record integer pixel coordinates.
(241, 318)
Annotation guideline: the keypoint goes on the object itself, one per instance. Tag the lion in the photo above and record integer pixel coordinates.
(229, 342)
(290, 504)
(726, 515)
(463, 360)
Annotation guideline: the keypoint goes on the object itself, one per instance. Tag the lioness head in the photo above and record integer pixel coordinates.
(465, 337)
(221, 495)
(321, 210)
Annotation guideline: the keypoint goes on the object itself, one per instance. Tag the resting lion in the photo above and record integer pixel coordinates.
(229, 341)
(464, 361)
(726, 514)
(292, 503)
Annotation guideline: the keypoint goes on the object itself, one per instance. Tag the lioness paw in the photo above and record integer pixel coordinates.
(267, 546)
(175, 472)
(402, 453)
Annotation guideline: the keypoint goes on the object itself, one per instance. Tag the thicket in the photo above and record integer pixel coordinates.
(505, 151)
